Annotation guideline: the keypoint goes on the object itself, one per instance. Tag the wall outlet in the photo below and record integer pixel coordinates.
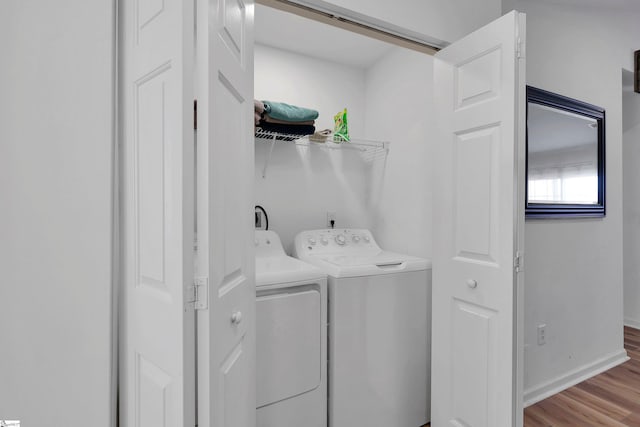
(331, 219)
(542, 334)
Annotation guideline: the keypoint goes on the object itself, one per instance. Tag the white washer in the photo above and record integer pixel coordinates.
(291, 338)
(379, 329)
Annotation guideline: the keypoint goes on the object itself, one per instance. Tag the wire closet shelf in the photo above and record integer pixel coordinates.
(369, 150)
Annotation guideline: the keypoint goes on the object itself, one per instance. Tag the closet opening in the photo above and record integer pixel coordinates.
(380, 180)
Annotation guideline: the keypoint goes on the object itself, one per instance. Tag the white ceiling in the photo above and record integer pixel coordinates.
(307, 37)
(290, 32)
(614, 5)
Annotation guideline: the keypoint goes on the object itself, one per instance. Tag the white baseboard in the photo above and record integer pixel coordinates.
(541, 392)
(632, 323)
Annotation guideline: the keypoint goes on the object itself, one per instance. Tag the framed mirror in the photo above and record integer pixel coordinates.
(565, 157)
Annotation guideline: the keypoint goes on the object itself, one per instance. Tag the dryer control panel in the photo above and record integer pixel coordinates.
(335, 241)
(268, 244)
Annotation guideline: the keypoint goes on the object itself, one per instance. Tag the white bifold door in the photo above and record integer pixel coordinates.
(478, 228)
(225, 164)
(171, 53)
(157, 324)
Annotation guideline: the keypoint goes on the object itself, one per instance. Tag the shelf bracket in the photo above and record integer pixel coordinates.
(268, 159)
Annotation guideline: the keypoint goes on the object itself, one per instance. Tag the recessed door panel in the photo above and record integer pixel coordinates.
(473, 359)
(149, 140)
(232, 385)
(478, 79)
(476, 183)
(232, 27)
(147, 11)
(231, 130)
(153, 393)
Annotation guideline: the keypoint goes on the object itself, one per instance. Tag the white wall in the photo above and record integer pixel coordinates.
(303, 183)
(391, 101)
(309, 82)
(56, 112)
(399, 109)
(435, 20)
(631, 205)
(573, 276)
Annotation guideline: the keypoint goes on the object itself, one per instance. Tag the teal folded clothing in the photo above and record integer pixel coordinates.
(289, 113)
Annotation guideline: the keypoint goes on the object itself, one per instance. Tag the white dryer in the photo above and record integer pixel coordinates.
(379, 329)
(291, 338)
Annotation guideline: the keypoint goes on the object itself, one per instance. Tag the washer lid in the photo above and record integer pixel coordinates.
(381, 258)
(383, 262)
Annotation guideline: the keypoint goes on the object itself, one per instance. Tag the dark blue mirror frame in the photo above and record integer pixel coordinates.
(564, 210)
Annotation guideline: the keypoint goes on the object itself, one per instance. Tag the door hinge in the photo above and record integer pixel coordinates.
(197, 295)
(519, 48)
(518, 262)
(195, 114)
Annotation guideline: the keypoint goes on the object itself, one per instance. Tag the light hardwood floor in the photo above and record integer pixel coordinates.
(610, 399)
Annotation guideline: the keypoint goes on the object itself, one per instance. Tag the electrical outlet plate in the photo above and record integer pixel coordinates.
(331, 216)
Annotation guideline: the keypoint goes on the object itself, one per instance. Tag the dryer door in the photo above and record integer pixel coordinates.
(288, 347)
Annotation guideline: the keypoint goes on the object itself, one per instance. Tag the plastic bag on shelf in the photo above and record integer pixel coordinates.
(341, 129)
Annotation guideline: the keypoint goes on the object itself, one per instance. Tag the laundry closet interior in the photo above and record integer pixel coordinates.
(378, 181)
(387, 91)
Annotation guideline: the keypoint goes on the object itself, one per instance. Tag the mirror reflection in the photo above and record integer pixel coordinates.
(563, 156)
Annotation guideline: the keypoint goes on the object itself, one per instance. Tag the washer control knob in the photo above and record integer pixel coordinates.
(340, 239)
(355, 238)
(324, 240)
(366, 238)
(312, 241)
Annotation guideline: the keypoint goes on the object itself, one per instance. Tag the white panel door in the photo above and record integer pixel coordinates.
(225, 147)
(478, 223)
(157, 385)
